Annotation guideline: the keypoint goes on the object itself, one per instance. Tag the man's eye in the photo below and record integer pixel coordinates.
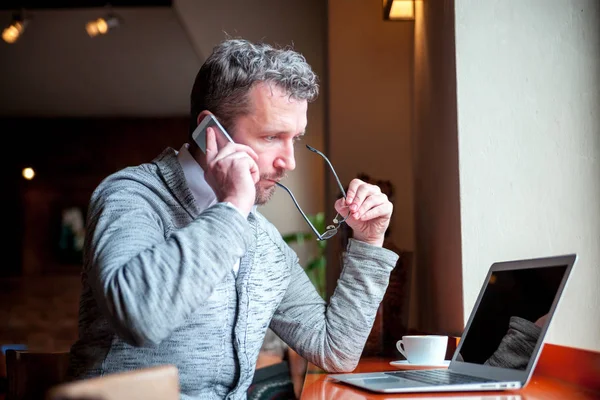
(297, 138)
(270, 138)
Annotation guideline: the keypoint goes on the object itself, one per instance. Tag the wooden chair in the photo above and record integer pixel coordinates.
(30, 374)
(160, 382)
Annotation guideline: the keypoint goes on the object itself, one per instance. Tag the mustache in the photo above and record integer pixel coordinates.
(274, 177)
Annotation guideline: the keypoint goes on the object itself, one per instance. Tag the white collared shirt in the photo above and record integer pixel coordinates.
(201, 190)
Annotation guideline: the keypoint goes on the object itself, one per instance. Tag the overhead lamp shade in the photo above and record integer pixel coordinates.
(399, 10)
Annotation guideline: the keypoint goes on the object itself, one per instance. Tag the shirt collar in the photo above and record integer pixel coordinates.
(194, 177)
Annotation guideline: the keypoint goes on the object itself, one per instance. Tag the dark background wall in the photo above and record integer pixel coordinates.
(70, 157)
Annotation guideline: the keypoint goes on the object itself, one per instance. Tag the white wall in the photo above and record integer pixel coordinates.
(528, 79)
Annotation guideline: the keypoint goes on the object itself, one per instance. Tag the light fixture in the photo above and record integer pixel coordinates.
(102, 25)
(399, 10)
(11, 33)
(28, 173)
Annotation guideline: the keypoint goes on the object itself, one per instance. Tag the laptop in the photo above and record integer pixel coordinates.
(502, 340)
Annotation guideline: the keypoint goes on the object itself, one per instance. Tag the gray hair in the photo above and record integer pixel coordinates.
(235, 66)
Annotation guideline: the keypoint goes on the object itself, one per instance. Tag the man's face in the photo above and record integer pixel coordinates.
(275, 122)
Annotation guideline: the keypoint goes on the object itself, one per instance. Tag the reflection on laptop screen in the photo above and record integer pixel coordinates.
(509, 320)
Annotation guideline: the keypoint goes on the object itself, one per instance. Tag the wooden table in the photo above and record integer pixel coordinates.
(318, 385)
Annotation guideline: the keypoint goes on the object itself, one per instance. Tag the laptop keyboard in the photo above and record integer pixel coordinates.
(436, 377)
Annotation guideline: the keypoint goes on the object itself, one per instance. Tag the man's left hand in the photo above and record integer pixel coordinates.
(370, 211)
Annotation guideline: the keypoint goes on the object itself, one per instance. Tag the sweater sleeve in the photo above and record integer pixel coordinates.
(147, 284)
(516, 346)
(333, 336)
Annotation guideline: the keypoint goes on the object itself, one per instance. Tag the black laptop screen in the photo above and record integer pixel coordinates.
(508, 322)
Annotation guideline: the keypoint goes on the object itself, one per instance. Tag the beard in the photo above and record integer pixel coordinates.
(263, 195)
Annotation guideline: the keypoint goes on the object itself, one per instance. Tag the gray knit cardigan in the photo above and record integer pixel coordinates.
(158, 288)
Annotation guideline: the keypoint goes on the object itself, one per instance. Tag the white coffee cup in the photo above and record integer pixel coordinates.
(423, 349)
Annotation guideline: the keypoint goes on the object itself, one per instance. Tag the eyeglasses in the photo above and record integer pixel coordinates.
(330, 230)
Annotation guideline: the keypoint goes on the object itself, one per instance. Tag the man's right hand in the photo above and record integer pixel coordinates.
(232, 172)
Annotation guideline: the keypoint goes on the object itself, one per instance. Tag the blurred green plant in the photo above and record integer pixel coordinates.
(316, 265)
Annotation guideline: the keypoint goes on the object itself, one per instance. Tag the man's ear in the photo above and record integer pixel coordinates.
(201, 116)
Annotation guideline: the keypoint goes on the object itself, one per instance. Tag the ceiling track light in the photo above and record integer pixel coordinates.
(102, 25)
(15, 30)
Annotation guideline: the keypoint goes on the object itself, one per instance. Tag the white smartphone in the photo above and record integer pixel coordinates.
(199, 134)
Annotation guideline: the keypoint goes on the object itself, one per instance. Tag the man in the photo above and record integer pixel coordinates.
(180, 268)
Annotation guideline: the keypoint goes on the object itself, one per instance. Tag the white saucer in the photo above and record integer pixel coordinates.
(406, 364)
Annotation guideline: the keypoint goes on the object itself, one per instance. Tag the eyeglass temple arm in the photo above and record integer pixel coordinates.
(330, 167)
(301, 212)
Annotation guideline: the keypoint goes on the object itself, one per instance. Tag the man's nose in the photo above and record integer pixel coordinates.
(286, 159)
